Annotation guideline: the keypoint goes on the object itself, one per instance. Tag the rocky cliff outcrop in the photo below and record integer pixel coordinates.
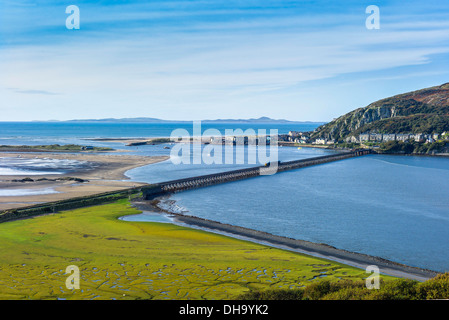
(422, 111)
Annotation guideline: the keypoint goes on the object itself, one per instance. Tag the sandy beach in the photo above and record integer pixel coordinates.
(102, 173)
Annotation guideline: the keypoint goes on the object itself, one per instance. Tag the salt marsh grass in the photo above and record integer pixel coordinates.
(143, 260)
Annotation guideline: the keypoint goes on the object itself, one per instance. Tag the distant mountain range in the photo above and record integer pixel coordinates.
(155, 120)
(423, 111)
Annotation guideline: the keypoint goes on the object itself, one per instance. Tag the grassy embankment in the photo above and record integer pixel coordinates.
(141, 260)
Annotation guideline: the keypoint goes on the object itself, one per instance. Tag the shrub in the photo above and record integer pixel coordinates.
(317, 290)
(349, 293)
(399, 289)
(326, 289)
(278, 294)
(436, 288)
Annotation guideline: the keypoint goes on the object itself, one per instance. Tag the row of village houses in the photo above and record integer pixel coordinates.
(385, 137)
(300, 137)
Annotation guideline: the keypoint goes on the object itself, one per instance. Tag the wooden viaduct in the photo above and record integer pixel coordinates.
(240, 174)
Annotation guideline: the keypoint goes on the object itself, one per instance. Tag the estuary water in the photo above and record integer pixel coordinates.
(394, 207)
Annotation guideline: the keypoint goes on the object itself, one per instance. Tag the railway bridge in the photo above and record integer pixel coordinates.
(240, 174)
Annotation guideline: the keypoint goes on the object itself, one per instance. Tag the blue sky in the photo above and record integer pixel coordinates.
(193, 60)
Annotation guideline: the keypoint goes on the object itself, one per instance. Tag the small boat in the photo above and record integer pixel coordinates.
(299, 148)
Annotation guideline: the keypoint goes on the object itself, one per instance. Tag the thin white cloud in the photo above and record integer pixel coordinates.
(30, 91)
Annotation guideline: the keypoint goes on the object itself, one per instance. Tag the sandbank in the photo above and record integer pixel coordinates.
(103, 173)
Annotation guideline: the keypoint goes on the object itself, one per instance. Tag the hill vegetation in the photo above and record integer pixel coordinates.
(423, 111)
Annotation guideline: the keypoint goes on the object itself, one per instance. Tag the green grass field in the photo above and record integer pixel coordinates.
(141, 260)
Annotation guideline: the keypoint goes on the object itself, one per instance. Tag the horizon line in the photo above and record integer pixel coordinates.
(168, 120)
